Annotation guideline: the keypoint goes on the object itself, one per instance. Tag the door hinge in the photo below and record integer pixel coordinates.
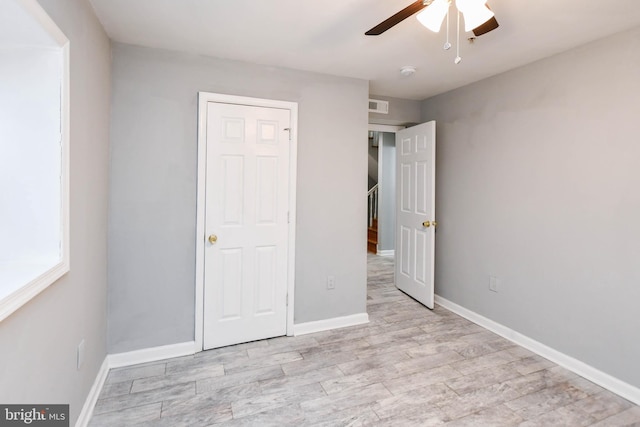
(288, 130)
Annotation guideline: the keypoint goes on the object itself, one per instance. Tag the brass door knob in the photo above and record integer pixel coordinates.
(426, 224)
(213, 239)
(434, 223)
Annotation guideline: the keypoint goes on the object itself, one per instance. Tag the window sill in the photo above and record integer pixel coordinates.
(21, 282)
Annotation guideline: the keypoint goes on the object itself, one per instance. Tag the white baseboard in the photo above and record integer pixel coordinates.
(592, 374)
(151, 354)
(119, 360)
(387, 252)
(94, 393)
(327, 324)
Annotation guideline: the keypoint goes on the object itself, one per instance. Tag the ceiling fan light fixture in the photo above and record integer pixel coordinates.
(433, 16)
(475, 13)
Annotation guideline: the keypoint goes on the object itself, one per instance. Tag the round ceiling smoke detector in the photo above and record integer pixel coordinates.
(408, 70)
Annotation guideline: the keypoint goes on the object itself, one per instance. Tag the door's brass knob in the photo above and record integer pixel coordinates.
(435, 224)
(213, 239)
(426, 224)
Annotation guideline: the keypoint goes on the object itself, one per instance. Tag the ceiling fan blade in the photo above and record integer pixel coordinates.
(490, 25)
(413, 8)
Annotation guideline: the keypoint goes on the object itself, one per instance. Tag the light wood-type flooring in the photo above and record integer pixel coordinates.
(409, 366)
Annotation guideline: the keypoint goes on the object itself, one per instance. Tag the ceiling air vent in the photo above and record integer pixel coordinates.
(377, 106)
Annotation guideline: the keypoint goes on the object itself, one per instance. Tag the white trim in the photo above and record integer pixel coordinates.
(203, 99)
(293, 179)
(385, 128)
(592, 374)
(328, 324)
(200, 215)
(26, 292)
(119, 360)
(94, 393)
(151, 354)
(65, 135)
(387, 252)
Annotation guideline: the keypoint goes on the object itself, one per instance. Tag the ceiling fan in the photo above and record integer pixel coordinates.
(435, 17)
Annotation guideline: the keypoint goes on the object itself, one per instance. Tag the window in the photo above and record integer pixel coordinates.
(34, 144)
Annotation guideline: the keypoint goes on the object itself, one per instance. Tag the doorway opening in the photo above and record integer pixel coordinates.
(413, 207)
(381, 197)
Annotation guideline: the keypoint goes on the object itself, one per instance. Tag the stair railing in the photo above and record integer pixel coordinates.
(372, 198)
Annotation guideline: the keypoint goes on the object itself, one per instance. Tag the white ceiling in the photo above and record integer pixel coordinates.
(328, 36)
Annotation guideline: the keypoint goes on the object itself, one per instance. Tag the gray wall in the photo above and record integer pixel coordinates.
(537, 184)
(401, 112)
(387, 210)
(153, 189)
(39, 341)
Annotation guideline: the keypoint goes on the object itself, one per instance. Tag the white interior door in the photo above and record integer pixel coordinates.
(246, 223)
(415, 211)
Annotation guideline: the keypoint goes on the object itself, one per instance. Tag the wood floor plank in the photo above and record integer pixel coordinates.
(409, 366)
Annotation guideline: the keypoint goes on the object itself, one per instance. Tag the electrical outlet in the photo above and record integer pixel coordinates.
(493, 283)
(80, 355)
(331, 282)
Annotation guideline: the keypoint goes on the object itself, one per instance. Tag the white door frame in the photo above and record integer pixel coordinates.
(385, 128)
(203, 99)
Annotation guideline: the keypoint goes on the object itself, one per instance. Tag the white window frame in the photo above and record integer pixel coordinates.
(24, 293)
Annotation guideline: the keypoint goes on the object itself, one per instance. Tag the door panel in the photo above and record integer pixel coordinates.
(422, 264)
(232, 284)
(404, 259)
(422, 188)
(233, 189)
(405, 188)
(415, 242)
(247, 203)
(267, 194)
(266, 260)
